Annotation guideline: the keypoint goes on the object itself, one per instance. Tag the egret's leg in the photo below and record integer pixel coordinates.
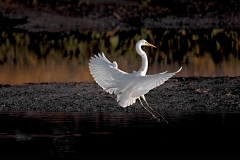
(149, 111)
(143, 97)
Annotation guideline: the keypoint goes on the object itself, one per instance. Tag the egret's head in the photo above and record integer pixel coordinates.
(145, 43)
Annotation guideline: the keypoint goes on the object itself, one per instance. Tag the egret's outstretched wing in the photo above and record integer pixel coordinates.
(145, 83)
(103, 70)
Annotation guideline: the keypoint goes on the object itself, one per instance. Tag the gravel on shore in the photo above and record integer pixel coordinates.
(176, 94)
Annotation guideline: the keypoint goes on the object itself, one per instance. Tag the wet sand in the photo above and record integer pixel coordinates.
(177, 94)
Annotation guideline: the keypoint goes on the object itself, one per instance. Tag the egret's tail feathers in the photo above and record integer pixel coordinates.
(125, 100)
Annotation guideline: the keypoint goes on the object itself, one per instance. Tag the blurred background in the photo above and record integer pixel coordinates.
(52, 41)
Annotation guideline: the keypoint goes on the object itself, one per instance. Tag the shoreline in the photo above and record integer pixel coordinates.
(176, 94)
(130, 15)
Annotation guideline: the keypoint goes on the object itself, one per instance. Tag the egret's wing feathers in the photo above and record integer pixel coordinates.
(148, 82)
(103, 70)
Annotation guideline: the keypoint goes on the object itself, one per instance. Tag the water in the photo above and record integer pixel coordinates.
(69, 135)
(64, 56)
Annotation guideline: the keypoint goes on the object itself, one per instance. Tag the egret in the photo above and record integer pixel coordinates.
(128, 86)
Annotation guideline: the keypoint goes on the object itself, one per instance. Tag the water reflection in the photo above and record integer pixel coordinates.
(70, 134)
(64, 56)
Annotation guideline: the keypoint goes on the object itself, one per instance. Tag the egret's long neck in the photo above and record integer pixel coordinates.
(144, 67)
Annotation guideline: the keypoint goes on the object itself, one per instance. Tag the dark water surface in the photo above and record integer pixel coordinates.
(68, 135)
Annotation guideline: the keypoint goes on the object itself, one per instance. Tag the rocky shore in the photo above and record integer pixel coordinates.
(60, 15)
(177, 94)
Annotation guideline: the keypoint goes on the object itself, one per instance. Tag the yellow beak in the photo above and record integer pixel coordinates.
(149, 44)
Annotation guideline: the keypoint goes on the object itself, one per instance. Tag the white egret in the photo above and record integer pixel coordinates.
(127, 86)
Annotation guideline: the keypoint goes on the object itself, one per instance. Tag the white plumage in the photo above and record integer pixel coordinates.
(127, 87)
